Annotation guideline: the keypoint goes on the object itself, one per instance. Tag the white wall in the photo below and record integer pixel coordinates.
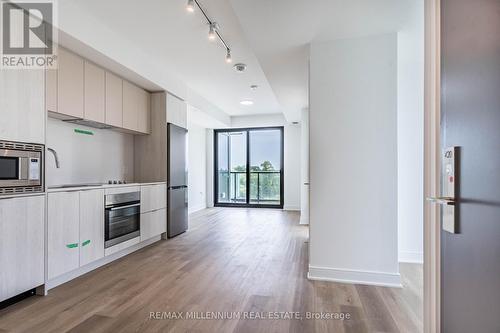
(106, 155)
(292, 166)
(353, 160)
(410, 136)
(291, 163)
(304, 167)
(197, 166)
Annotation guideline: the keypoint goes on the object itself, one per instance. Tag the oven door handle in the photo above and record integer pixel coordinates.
(127, 206)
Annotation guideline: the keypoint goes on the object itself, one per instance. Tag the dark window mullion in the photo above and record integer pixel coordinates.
(248, 168)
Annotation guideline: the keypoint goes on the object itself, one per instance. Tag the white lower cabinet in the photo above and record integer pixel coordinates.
(153, 197)
(63, 233)
(75, 230)
(21, 245)
(91, 226)
(153, 224)
(153, 210)
(75, 222)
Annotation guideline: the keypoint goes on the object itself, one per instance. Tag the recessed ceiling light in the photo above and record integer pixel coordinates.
(246, 102)
(240, 68)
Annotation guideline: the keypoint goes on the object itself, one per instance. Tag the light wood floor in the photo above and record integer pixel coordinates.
(246, 260)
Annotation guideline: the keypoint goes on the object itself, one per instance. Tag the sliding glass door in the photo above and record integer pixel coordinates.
(249, 167)
(232, 165)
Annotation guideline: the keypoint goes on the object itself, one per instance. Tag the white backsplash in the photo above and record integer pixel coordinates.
(85, 158)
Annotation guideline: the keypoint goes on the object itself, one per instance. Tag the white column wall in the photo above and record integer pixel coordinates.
(353, 161)
(411, 137)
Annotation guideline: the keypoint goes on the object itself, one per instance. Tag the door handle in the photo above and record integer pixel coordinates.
(449, 201)
(123, 207)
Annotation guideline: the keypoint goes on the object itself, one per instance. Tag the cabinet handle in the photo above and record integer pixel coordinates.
(87, 242)
(72, 246)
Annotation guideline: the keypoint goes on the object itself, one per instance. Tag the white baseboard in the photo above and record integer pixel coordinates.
(196, 208)
(411, 257)
(304, 220)
(292, 208)
(354, 276)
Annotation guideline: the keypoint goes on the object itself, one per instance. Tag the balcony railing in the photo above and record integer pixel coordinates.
(265, 187)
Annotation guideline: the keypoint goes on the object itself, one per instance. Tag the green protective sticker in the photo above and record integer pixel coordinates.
(80, 131)
(87, 242)
(72, 246)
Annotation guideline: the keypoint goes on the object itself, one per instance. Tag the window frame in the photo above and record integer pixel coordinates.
(247, 130)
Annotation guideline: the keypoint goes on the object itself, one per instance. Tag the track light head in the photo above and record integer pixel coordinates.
(190, 6)
(212, 31)
(229, 59)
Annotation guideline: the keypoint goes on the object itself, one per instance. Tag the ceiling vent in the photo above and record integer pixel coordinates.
(240, 68)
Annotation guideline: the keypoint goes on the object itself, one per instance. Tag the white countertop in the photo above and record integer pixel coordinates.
(69, 188)
(78, 187)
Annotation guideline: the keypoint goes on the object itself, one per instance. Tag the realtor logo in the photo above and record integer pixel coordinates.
(27, 34)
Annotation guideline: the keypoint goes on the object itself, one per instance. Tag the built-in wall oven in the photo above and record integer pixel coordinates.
(21, 167)
(123, 217)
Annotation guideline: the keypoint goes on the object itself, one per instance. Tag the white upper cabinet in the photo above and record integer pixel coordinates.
(70, 84)
(130, 103)
(51, 90)
(136, 108)
(114, 100)
(144, 109)
(94, 93)
(22, 107)
(81, 89)
(176, 111)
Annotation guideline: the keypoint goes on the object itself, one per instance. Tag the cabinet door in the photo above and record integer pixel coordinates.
(70, 84)
(51, 90)
(153, 197)
(114, 100)
(94, 93)
(63, 232)
(91, 226)
(22, 106)
(153, 224)
(144, 115)
(21, 245)
(176, 111)
(131, 103)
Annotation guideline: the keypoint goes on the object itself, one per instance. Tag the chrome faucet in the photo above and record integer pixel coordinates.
(56, 158)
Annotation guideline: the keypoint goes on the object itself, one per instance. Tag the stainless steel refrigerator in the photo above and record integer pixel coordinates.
(177, 194)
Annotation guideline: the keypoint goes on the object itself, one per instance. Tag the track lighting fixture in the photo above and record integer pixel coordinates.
(190, 6)
(212, 32)
(229, 59)
(213, 27)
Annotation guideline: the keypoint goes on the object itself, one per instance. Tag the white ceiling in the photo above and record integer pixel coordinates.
(177, 41)
(270, 36)
(280, 31)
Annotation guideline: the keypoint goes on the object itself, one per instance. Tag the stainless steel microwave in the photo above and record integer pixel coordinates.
(21, 167)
